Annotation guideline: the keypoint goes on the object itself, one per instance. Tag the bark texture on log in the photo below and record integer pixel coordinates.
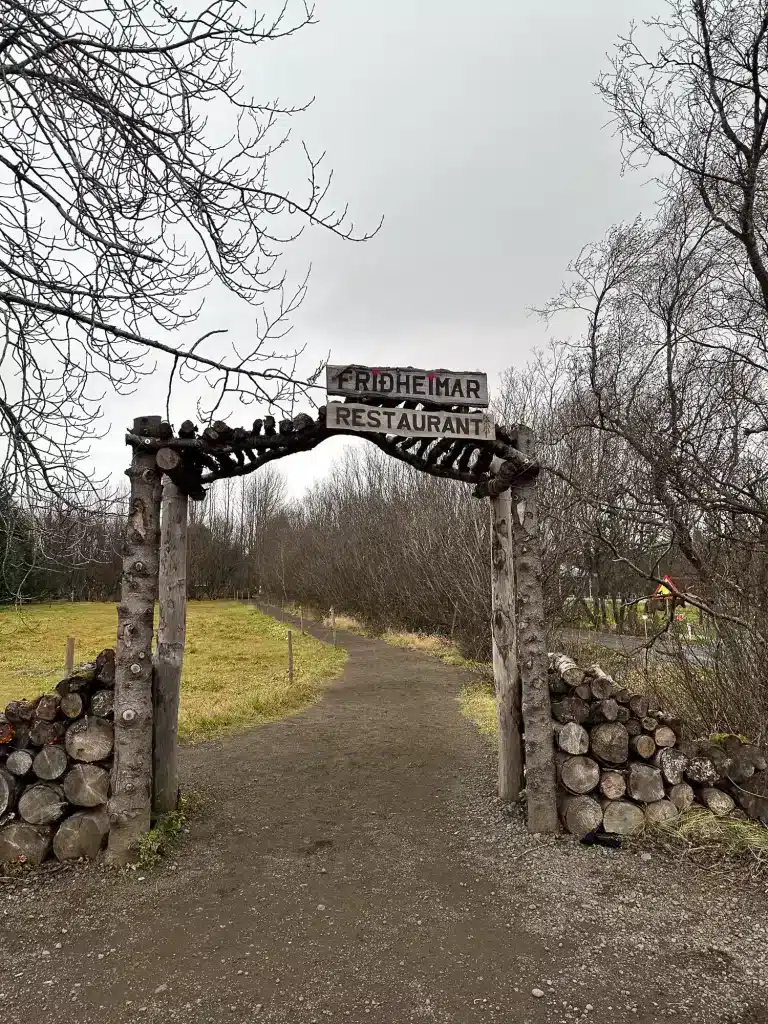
(102, 703)
(716, 800)
(571, 709)
(567, 669)
(540, 783)
(673, 763)
(701, 770)
(503, 637)
(130, 803)
(24, 843)
(170, 647)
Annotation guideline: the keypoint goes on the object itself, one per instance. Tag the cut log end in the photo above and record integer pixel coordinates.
(581, 814)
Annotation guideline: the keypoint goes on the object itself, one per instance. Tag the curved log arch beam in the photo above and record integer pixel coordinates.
(490, 465)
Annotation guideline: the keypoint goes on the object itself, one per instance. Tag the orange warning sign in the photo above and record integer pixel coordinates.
(666, 590)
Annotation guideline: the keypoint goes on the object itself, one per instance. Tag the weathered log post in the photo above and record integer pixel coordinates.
(540, 782)
(170, 646)
(130, 803)
(504, 650)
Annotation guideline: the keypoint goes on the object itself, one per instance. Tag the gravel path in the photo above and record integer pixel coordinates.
(353, 866)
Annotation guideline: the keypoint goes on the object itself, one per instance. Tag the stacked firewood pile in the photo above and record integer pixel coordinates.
(55, 759)
(622, 763)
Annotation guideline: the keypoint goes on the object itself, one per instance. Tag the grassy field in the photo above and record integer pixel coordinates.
(235, 663)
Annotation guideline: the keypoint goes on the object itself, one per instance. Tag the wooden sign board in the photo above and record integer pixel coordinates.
(368, 419)
(442, 387)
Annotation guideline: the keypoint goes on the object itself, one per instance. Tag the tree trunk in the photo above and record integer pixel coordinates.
(170, 647)
(20, 842)
(81, 835)
(130, 804)
(540, 783)
(86, 785)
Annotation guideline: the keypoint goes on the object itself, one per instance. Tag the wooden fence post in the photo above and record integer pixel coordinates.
(170, 646)
(540, 787)
(130, 803)
(290, 655)
(69, 660)
(504, 651)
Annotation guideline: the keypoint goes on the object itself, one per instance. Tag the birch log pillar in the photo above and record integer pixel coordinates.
(170, 646)
(540, 785)
(130, 803)
(504, 650)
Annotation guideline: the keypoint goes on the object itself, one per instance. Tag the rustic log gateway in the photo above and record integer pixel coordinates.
(427, 419)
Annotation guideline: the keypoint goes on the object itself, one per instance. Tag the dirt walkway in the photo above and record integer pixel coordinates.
(353, 866)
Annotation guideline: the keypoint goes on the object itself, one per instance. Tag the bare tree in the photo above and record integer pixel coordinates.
(134, 172)
(691, 87)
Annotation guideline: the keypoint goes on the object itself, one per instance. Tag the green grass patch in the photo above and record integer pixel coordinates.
(235, 662)
(478, 703)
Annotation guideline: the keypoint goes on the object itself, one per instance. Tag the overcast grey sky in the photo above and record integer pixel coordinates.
(476, 131)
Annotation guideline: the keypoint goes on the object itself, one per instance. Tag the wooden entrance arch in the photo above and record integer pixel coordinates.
(169, 468)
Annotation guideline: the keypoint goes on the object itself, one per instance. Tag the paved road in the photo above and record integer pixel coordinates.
(353, 866)
(636, 645)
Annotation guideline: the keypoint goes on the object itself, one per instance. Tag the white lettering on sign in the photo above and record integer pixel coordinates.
(368, 419)
(441, 387)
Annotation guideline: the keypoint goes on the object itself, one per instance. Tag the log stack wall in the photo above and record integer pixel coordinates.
(623, 762)
(55, 768)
